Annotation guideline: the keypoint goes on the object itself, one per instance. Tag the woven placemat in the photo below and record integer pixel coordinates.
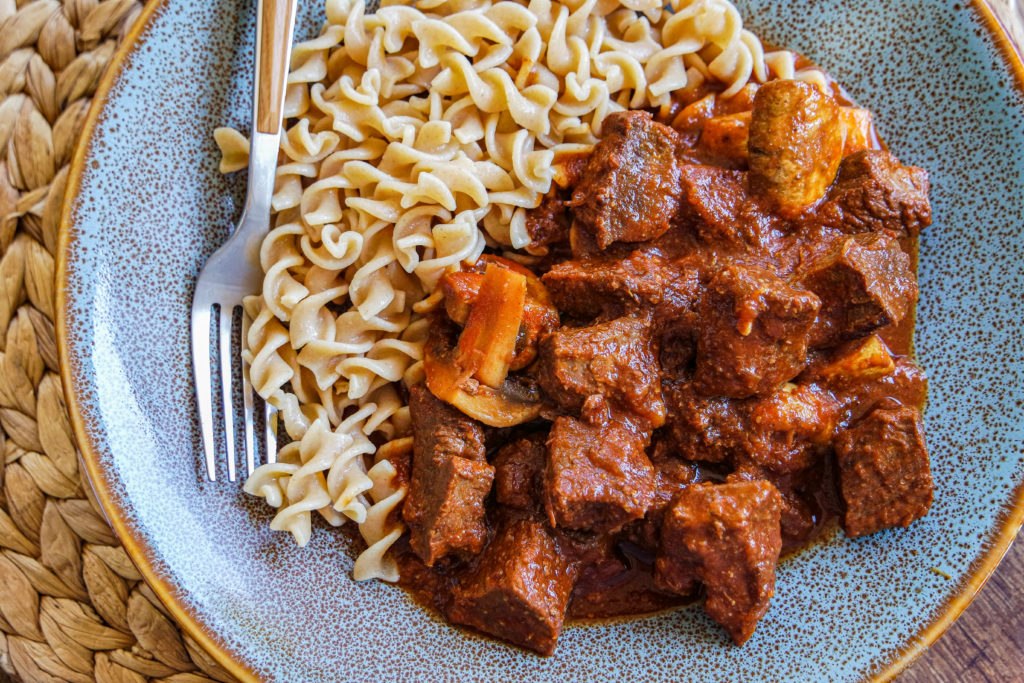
(72, 605)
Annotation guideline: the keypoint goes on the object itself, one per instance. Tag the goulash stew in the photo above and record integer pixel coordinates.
(703, 362)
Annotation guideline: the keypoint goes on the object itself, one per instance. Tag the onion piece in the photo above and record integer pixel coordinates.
(488, 342)
(512, 403)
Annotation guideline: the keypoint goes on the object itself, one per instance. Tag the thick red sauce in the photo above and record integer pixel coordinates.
(622, 583)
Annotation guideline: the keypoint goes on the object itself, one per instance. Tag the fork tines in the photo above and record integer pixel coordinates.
(234, 371)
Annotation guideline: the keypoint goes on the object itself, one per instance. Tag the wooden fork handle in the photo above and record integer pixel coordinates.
(274, 28)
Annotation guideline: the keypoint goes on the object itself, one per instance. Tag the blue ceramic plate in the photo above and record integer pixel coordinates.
(148, 206)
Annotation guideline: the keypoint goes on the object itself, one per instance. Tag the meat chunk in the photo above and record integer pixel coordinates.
(449, 482)
(629, 191)
(549, 222)
(795, 145)
(448, 512)
(754, 334)
(875, 193)
(728, 535)
(802, 510)
(614, 361)
(585, 288)
(702, 428)
(520, 589)
(884, 472)
(519, 467)
(672, 474)
(597, 477)
(784, 431)
(864, 282)
(441, 432)
(716, 203)
(789, 429)
(588, 288)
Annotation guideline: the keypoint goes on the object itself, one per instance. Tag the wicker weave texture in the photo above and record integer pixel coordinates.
(72, 605)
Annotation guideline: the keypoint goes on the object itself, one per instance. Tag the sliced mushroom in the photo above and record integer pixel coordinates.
(795, 145)
(515, 401)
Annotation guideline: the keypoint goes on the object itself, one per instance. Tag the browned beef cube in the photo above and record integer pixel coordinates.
(728, 535)
(754, 334)
(800, 512)
(449, 482)
(518, 469)
(451, 505)
(442, 432)
(795, 145)
(703, 428)
(884, 474)
(588, 288)
(784, 431)
(597, 477)
(585, 288)
(790, 429)
(629, 191)
(520, 589)
(875, 193)
(672, 474)
(716, 203)
(548, 223)
(614, 360)
(712, 197)
(864, 282)
(607, 287)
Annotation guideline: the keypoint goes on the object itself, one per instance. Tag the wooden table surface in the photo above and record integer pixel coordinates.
(987, 642)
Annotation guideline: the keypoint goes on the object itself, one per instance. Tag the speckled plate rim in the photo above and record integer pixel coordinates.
(142, 554)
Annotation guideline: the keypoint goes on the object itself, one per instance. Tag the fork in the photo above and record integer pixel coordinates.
(233, 271)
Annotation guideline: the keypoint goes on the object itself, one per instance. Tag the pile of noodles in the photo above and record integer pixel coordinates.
(416, 136)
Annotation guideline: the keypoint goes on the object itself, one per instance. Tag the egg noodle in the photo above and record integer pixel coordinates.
(416, 136)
